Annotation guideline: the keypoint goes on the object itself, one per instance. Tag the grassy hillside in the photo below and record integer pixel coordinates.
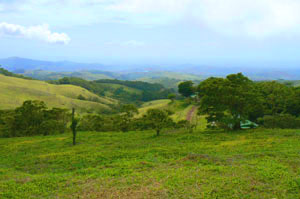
(248, 164)
(14, 91)
(124, 91)
(166, 82)
(110, 89)
(180, 109)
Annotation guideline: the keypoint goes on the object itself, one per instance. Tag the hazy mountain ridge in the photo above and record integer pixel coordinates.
(48, 70)
(17, 64)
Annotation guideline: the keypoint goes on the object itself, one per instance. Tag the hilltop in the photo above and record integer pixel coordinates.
(125, 91)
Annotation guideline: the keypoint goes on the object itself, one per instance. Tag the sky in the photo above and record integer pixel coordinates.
(261, 33)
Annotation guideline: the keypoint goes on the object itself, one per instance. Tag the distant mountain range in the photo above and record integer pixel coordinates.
(19, 64)
(32, 67)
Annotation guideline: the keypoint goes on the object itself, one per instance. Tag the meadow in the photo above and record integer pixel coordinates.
(257, 163)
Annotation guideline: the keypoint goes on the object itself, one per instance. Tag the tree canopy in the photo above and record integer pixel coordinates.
(157, 120)
(228, 101)
(186, 88)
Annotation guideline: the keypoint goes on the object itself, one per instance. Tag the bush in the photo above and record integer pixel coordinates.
(99, 123)
(91, 122)
(182, 124)
(33, 118)
(81, 97)
(282, 121)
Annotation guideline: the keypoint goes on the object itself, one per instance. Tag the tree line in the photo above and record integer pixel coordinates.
(148, 91)
(228, 102)
(34, 118)
(10, 74)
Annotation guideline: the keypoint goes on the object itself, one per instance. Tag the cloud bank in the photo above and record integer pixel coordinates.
(255, 18)
(251, 18)
(40, 32)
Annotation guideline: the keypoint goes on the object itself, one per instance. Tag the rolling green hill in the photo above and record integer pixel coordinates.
(14, 91)
(180, 110)
(124, 91)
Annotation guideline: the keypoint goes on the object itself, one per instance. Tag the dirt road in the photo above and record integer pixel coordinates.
(190, 114)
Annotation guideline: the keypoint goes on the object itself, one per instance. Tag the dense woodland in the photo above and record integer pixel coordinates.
(229, 101)
(144, 91)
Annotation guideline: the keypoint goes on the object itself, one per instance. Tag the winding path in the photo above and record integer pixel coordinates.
(190, 114)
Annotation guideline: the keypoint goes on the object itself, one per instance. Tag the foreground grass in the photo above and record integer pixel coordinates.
(248, 164)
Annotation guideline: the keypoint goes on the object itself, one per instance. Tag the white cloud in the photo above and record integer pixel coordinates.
(40, 32)
(252, 18)
(255, 18)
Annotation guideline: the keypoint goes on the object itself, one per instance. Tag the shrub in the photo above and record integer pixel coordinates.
(182, 124)
(81, 97)
(157, 120)
(33, 118)
(283, 121)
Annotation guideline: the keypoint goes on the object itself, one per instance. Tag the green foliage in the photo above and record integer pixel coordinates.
(94, 122)
(89, 85)
(33, 118)
(157, 120)
(126, 91)
(279, 98)
(6, 122)
(128, 111)
(149, 91)
(229, 101)
(276, 97)
(29, 118)
(186, 88)
(282, 121)
(81, 97)
(183, 124)
(172, 97)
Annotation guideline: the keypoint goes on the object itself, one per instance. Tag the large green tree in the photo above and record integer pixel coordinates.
(157, 120)
(278, 98)
(127, 113)
(228, 101)
(29, 118)
(186, 88)
(33, 118)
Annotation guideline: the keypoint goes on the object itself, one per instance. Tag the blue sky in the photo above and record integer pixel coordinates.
(260, 33)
